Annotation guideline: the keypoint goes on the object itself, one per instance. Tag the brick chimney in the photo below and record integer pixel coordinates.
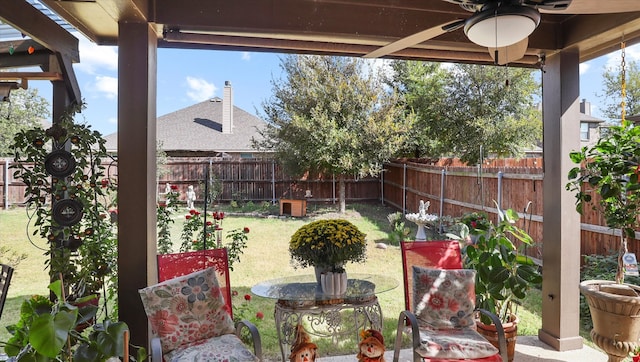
(585, 107)
(227, 108)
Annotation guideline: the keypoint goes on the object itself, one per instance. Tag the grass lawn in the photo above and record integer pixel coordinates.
(265, 257)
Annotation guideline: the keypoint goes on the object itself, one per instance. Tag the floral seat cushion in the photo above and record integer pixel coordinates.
(186, 309)
(225, 348)
(455, 344)
(444, 306)
(444, 298)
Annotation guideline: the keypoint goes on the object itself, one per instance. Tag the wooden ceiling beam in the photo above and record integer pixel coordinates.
(31, 76)
(221, 42)
(28, 20)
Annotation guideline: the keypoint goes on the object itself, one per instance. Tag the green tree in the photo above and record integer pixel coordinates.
(331, 115)
(24, 110)
(612, 84)
(492, 107)
(422, 89)
(461, 108)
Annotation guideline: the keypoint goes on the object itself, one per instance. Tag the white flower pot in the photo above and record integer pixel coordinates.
(334, 283)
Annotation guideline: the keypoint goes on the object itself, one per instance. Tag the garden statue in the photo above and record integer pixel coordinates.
(303, 350)
(191, 197)
(371, 347)
(421, 218)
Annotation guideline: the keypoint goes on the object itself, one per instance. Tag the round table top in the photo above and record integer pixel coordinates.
(305, 287)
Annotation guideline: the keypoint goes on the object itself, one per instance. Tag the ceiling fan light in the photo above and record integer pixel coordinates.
(502, 26)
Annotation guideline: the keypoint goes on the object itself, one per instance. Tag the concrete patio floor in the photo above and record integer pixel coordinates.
(528, 349)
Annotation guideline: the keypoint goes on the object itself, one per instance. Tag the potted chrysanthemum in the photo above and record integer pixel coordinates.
(328, 245)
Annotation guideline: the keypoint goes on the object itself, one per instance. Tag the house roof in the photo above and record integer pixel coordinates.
(199, 128)
(589, 118)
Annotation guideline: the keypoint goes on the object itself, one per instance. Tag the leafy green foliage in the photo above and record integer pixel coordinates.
(398, 230)
(86, 265)
(49, 331)
(164, 212)
(328, 115)
(610, 169)
(456, 111)
(24, 110)
(422, 86)
(503, 275)
(611, 81)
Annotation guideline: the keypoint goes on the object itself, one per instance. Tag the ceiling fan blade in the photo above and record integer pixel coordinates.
(579, 7)
(416, 38)
(510, 53)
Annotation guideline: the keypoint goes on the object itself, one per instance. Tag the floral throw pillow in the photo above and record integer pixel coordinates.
(186, 309)
(444, 298)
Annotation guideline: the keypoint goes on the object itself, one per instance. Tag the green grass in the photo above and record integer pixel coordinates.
(265, 257)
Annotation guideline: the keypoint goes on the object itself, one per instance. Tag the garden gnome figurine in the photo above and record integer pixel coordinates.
(302, 349)
(371, 348)
(191, 197)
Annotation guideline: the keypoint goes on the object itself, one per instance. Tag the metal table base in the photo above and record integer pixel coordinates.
(325, 319)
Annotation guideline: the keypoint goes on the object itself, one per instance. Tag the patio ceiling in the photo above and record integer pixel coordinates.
(347, 27)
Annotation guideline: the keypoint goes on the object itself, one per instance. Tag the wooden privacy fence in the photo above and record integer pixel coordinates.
(243, 180)
(454, 189)
(451, 188)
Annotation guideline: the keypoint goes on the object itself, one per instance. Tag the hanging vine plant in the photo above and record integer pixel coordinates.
(68, 193)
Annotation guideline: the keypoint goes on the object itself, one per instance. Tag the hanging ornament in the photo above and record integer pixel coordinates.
(31, 50)
(11, 49)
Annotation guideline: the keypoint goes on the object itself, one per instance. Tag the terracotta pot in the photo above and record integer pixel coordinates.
(510, 330)
(615, 315)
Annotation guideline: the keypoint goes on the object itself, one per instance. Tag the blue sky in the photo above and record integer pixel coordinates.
(186, 77)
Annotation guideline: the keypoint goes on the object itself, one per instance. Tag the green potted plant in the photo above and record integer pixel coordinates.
(327, 245)
(68, 192)
(503, 274)
(48, 331)
(606, 179)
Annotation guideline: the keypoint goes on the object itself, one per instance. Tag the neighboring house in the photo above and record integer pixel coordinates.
(589, 126)
(211, 129)
(590, 129)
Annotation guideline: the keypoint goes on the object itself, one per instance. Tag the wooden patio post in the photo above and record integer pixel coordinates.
(561, 234)
(137, 55)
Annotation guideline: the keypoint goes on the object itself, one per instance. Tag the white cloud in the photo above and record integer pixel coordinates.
(96, 59)
(107, 85)
(246, 56)
(112, 120)
(584, 67)
(200, 89)
(631, 53)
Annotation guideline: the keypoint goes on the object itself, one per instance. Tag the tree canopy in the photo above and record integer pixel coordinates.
(331, 115)
(24, 110)
(612, 84)
(463, 107)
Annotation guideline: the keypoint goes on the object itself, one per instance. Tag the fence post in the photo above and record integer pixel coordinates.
(273, 182)
(382, 186)
(442, 177)
(6, 184)
(333, 185)
(499, 194)
(404, 188)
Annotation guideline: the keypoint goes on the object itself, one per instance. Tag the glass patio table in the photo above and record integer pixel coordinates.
(300, 299)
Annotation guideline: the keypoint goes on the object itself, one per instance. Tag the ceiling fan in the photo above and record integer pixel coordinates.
(504, 26)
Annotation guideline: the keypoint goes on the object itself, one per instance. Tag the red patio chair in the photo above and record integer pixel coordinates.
(179, 264)
(438, 254)
(440, 333)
